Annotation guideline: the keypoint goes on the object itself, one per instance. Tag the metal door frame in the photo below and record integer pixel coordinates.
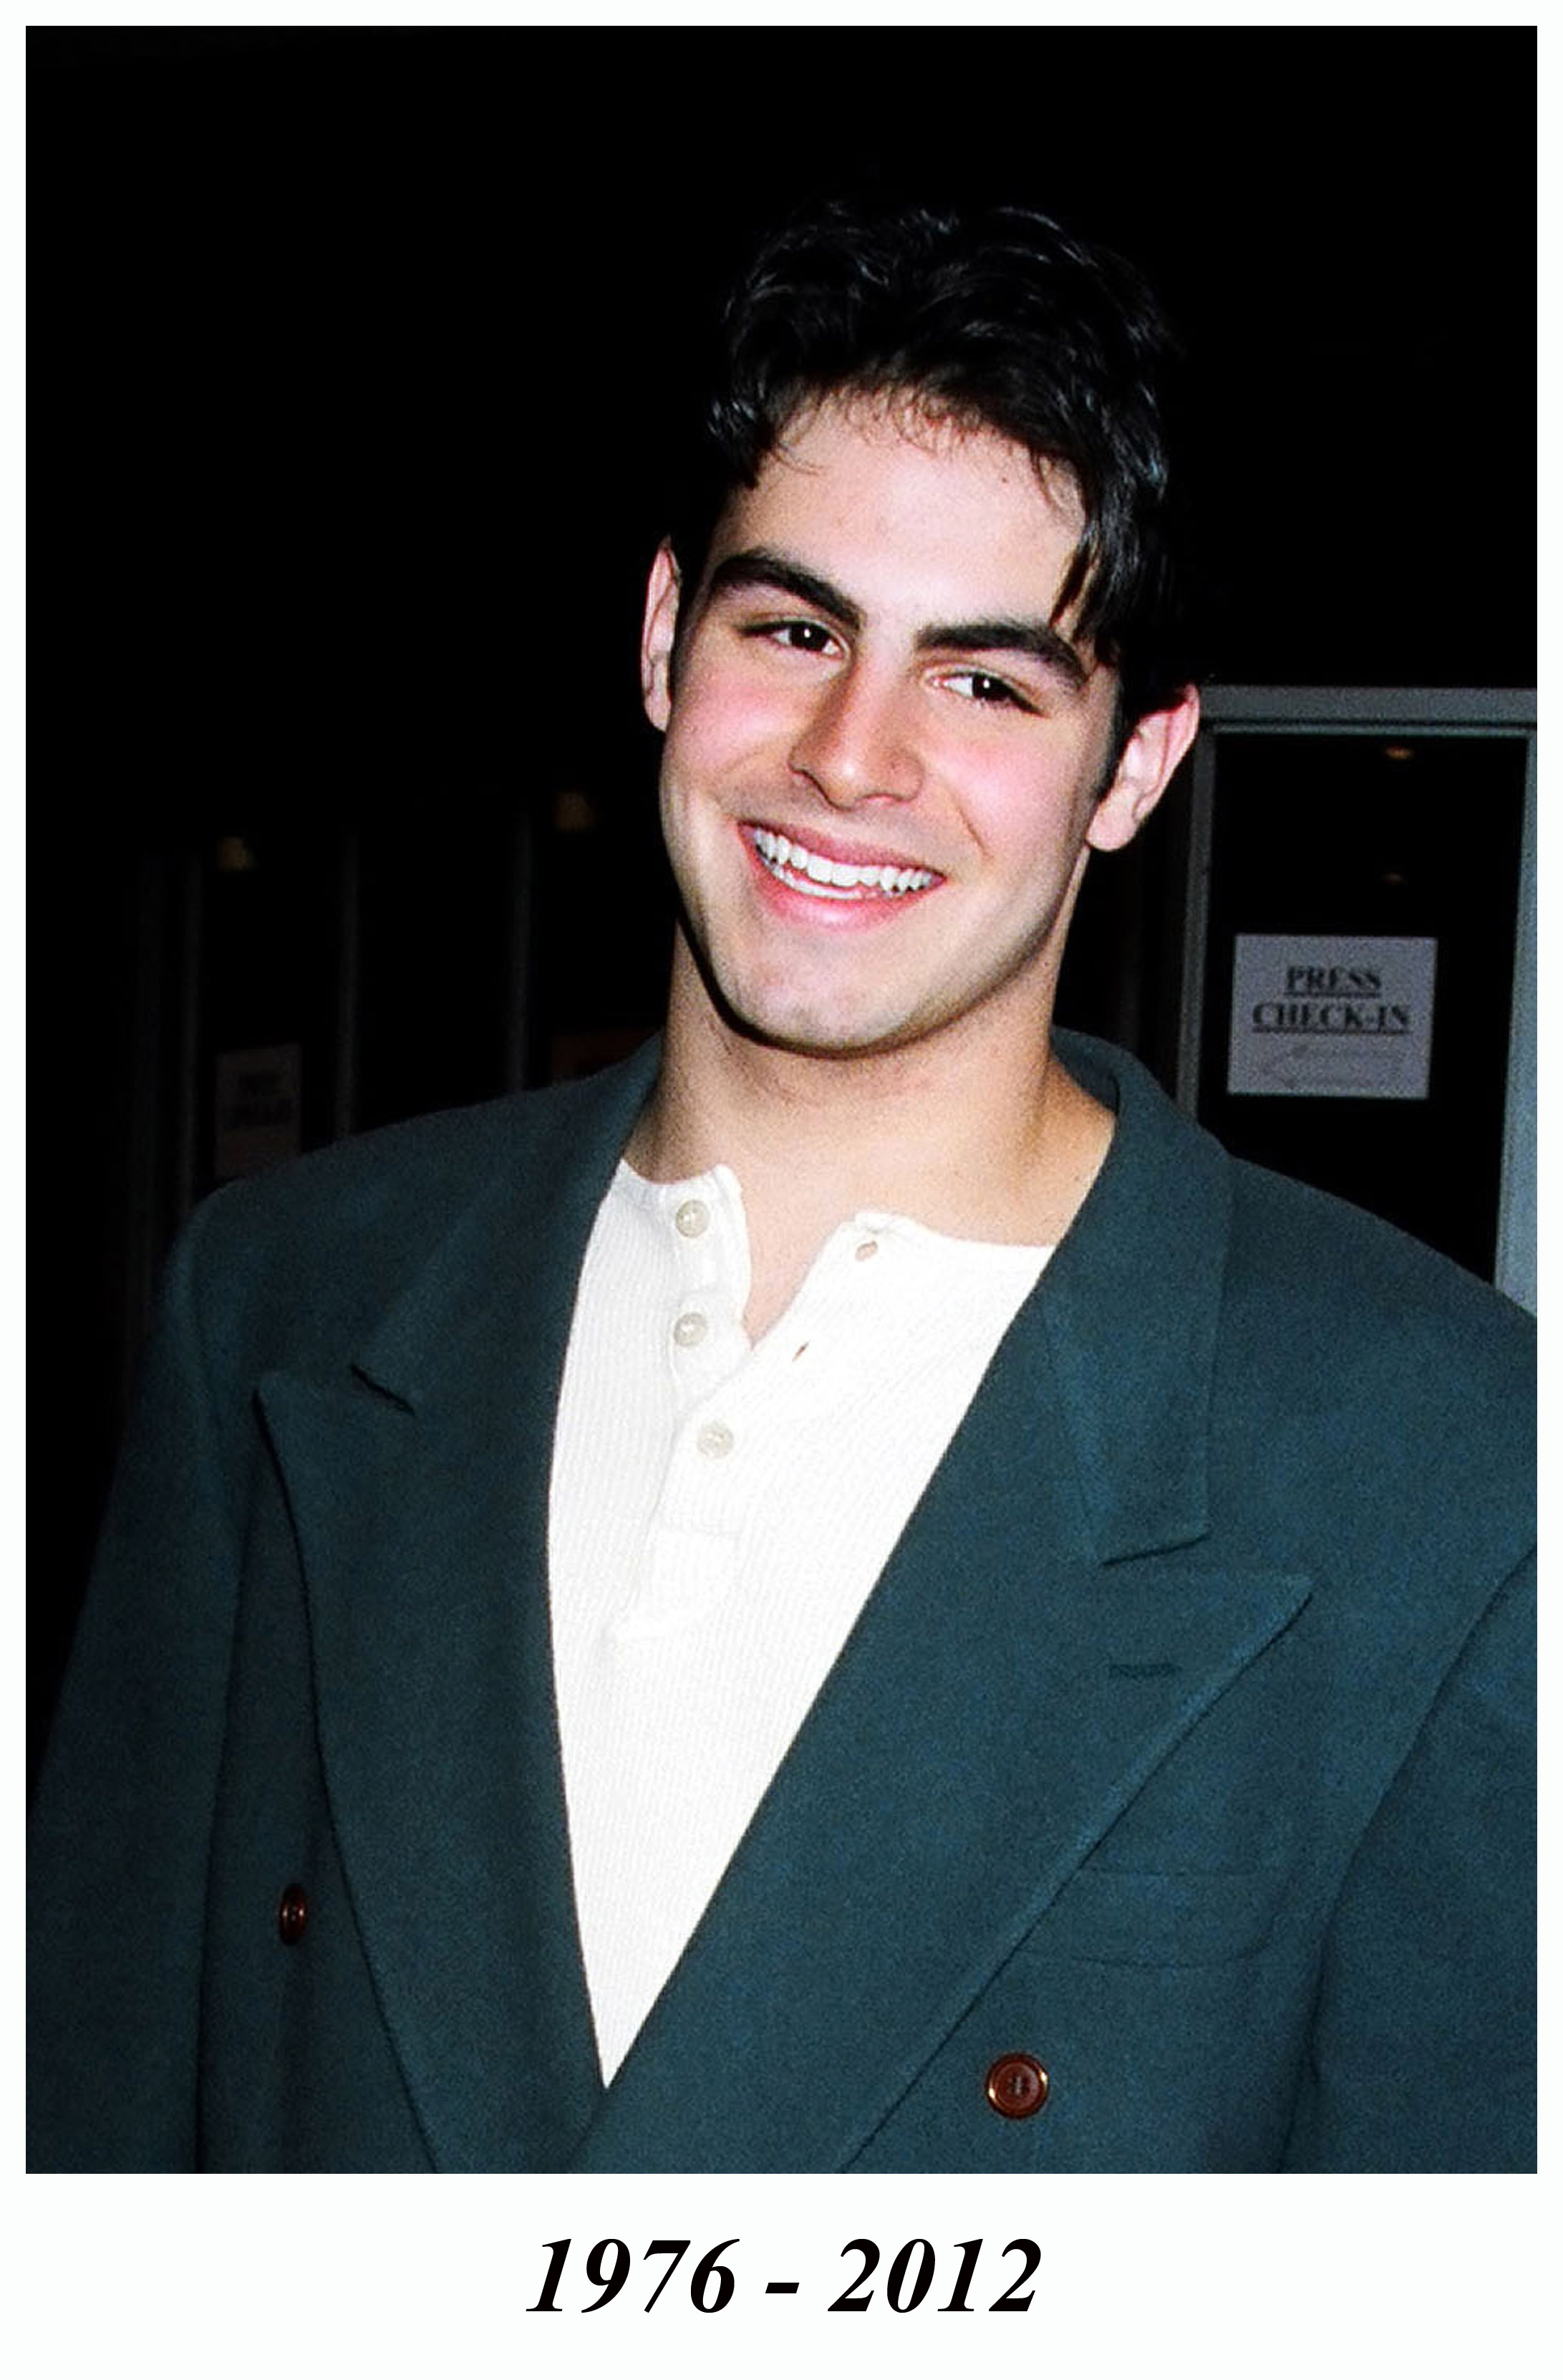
(1465, 711)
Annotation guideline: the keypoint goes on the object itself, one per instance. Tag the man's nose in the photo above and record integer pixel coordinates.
(859, 742)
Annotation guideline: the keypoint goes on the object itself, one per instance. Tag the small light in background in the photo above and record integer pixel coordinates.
(1399, 752)
(234, 857)
(573, 813)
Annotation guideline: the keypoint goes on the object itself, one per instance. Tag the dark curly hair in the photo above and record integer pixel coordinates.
(992, 317)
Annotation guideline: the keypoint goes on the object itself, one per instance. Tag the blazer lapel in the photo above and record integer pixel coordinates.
(419, 1483)
(1033, 1649)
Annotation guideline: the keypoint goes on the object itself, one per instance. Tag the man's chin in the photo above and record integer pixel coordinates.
(773, 1016)
(826, 1035)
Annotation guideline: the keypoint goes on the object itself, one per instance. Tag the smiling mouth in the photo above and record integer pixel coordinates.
(802, 870)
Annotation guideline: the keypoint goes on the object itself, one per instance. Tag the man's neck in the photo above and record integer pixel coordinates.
(982, 1136)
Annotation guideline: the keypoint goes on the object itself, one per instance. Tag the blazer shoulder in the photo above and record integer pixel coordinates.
(333, 1237)
(1302, 1273)
(1296, 1251)
(1356, 1355)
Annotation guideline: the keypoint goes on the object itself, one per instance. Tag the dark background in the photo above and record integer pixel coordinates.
(352, 358)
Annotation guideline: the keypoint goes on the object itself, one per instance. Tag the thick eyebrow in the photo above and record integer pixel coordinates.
(760, 566)
(1038, 639)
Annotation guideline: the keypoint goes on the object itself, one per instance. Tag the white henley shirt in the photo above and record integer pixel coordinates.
(720, 1512)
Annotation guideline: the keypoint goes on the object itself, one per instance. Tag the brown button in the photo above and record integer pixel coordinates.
(1016, 2084)
(293, 1914)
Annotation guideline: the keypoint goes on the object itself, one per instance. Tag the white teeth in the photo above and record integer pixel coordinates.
(805, 871)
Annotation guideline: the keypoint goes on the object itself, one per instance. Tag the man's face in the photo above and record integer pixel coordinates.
(883, 766)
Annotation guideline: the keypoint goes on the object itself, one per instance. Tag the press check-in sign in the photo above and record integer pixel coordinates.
(1332, 1016)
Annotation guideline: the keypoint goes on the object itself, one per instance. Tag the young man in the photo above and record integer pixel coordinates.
(852, 1595)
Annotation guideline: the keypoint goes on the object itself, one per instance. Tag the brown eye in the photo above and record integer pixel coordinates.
(982, 687)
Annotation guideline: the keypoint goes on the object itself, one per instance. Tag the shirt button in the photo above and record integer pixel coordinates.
(689, 1329)
(867, 1248)
(293, 1914)
(1017, 2084)
(714, 1438)
(691, 1217)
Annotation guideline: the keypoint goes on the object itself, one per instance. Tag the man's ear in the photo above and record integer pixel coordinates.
(658, 630)
(1156, 742)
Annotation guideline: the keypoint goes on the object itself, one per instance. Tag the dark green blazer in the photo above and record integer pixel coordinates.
(1182, 1744)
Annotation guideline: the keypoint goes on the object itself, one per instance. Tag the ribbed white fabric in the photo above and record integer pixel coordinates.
(720, 1513)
